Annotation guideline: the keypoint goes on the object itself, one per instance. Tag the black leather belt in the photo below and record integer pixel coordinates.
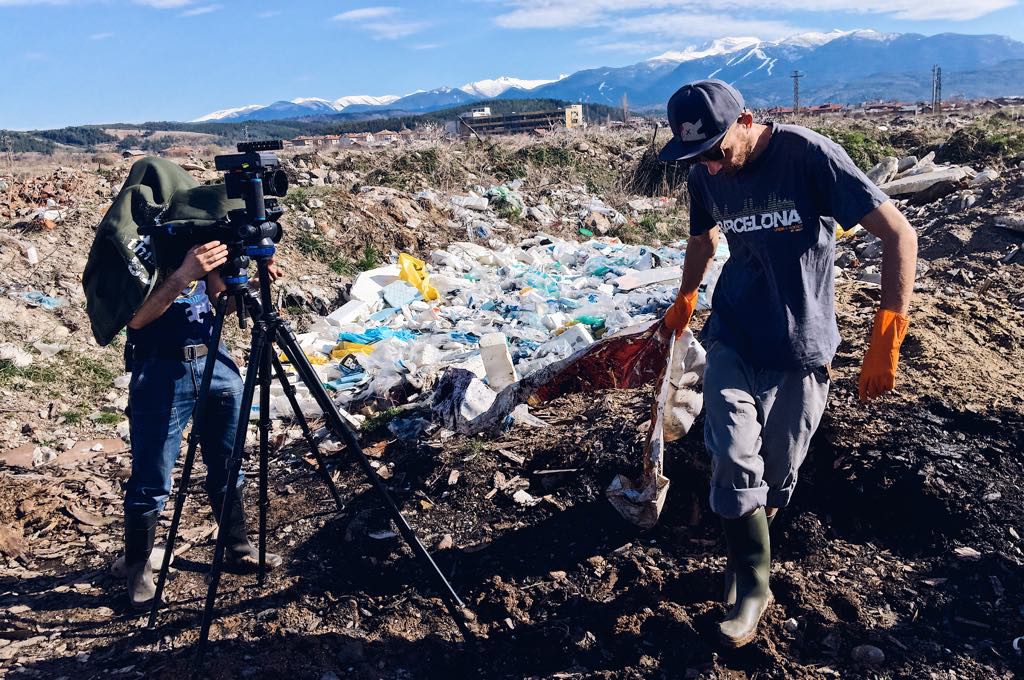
(186, 353)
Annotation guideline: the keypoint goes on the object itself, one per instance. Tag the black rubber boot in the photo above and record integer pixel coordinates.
(139, 534)
(750, 554)
(240, 555)
(729, 594)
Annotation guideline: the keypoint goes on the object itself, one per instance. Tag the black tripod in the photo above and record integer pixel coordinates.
(269, 328)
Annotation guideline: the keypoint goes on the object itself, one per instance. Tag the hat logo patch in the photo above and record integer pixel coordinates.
(690, 132)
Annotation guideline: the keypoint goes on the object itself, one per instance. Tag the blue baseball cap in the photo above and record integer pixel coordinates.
(700, 113)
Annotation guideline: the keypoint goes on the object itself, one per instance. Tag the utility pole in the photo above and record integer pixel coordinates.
(625, 108)
(796, 91)
(936, 89)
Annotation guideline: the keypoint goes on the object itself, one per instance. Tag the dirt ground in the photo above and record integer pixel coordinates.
(904, 535)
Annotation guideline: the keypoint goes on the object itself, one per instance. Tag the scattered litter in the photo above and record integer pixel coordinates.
(14, 354)
(33, 298)
(967, 553)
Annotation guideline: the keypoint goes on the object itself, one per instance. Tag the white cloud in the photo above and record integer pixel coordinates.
(426, 46)
(164, 4)
(365, 13)
(383, 23)
(101, 36)
(394, 31)
(197, 11)
(593, 13)
(269, 14)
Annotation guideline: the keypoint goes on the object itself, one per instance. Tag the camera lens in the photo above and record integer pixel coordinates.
(275, 183)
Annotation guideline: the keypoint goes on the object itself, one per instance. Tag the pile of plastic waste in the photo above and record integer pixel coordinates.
(500, 313)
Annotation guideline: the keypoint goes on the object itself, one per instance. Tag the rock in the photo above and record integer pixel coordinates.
(906, 163)
(1011, 222)
(316, 203)
(935, 192)
(884, 171)
(307, 223)
(918, 183)
(597, 222)
(984, 177)
(790, 626)
(846, 259)
(868, 655)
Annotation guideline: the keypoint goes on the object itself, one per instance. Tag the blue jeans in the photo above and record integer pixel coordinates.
(162, 396)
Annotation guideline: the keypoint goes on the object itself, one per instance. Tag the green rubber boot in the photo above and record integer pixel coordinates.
(240, 556)
(139, 534)
(750, 554)
(729, 594)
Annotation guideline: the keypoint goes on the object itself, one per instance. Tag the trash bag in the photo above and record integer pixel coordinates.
(414, 272)
(633, 357)
(677, 404)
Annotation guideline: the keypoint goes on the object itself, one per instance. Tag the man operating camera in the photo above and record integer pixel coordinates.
(166, 353)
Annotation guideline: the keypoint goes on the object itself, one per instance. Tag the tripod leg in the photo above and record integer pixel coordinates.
(265, 377)
(190, 455)
(259, 341)
(307, 433)
(290, 345)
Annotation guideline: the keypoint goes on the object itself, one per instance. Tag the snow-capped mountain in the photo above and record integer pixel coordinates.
(715, 47)
(496, 86)
(229, 114)
(837, 66)
(298, 108)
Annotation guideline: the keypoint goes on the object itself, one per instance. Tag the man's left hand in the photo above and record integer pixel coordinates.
(878, 373)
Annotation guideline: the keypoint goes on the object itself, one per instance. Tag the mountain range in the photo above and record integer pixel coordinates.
(838, 66)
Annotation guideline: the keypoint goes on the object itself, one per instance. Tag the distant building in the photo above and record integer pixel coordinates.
(529, 122)
(387, 137)
(480, 112)
(574, 116)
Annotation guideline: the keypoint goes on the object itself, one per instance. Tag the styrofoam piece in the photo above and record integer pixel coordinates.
(578, 337)
(647, 277)
(352, 311)
(497, 360)
(400, 294)
(369, 284)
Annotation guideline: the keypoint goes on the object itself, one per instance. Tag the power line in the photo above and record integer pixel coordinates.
(796, 91)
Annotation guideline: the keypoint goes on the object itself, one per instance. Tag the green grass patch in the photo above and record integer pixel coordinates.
(864, 149)
(108, 418)
(72, 417)
(349, 267)
(296, 197)
(378, 421)
(997, 137)
(648, 223)
(42, 374)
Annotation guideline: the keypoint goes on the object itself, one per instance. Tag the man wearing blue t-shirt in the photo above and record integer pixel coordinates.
(777, 192)
(166, 353)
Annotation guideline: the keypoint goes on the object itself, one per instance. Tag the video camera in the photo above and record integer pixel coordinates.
(253, 175)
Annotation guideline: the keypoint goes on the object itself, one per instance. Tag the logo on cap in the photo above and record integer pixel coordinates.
(690, 132)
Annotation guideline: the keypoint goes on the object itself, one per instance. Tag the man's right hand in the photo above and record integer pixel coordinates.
(201, 260)
(677, 318)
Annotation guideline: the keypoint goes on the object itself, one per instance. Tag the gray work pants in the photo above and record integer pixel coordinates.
(758, 425)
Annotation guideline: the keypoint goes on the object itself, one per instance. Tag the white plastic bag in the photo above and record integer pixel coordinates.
(677, 404)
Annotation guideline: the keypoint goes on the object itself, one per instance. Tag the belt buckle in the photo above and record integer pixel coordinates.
(191, 352)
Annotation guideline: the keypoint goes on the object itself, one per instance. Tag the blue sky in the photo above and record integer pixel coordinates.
(98, 61)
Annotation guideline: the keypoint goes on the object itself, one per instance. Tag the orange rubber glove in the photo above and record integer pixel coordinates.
(678, 315)
(878, 374)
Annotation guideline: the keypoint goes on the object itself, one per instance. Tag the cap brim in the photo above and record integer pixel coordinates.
(677, 150)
